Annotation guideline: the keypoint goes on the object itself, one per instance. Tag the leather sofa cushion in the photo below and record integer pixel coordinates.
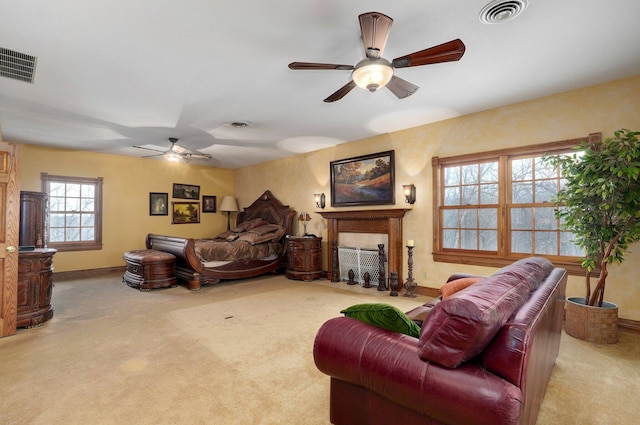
(459, 327)
(532, 270)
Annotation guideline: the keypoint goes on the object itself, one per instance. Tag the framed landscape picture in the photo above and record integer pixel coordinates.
(158, 203)
(363, 180)
(186, 191)
(185, 212)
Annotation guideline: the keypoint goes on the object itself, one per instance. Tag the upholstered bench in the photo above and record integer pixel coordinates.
(149, 269)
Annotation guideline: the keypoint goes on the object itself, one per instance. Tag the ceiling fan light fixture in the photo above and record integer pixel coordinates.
(173, 157)
(372, 74)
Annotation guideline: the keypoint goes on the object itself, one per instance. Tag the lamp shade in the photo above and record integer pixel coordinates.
(228, 204)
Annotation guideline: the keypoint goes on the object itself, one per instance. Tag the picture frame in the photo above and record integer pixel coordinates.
(186, 191)
(158, 203)
(363, 180)
(208, 204)
(185, 212)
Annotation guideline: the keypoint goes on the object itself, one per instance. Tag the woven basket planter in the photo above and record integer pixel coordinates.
(593, 324)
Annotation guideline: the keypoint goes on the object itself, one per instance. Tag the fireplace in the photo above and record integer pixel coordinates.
(387, 222)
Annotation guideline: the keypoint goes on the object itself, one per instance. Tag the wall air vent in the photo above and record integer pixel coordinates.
(499, 11)
(16, 65)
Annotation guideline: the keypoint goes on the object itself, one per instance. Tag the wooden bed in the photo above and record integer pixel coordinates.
(192, 271)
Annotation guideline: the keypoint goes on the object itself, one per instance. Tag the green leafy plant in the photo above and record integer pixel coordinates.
(600, 203)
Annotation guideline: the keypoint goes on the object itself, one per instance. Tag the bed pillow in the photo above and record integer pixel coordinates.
(456, 285)
(225, 234)
(384, 316)
(249, 224)
(232, 237)
(264, 229)
(256, 238)
(256, 223)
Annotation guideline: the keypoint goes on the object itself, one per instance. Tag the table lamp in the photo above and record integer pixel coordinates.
(228, 205)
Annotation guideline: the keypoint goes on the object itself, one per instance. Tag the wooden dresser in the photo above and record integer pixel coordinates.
(304, 258)
(35, 287)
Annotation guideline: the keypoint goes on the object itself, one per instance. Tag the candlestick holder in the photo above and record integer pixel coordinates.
(382, 279)
(410, 284)
(394, 284)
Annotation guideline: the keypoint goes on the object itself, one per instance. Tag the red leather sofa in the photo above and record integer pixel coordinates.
(484, 356)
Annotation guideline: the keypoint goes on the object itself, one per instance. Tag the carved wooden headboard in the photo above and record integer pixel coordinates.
(269, 208)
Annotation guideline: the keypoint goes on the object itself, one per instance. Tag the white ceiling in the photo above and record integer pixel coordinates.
(112, 74)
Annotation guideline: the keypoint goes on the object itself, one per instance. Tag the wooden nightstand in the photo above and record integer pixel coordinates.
(304, 258)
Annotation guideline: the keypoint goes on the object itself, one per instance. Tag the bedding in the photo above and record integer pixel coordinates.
(242, 242)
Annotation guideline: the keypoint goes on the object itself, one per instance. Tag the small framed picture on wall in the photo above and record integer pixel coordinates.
(208, 204)
(158, 203)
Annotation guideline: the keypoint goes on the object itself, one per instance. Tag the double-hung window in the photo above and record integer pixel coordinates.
(75, 212)
(495, 207)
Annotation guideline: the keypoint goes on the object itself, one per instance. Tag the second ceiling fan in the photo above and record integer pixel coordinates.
(176, 152)
(374, 72)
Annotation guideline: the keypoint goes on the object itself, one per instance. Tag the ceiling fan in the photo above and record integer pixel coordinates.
(374, 72)
(176, 152)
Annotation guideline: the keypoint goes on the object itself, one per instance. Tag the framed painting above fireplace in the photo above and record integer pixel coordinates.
(363, 180)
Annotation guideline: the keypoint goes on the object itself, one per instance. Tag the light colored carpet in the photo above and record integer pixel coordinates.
(235, 353)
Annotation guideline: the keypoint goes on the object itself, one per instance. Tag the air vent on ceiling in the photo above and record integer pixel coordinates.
(16, 65)
(499, 11)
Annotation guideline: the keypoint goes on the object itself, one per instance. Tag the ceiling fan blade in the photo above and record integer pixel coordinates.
(445, 52)
(152, 156)
(341, 92)
(374, 27)
(148, 149)
(401, 88)
(199, 155)
(313, 65)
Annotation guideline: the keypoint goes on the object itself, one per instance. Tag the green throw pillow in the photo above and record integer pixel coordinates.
(384, 316)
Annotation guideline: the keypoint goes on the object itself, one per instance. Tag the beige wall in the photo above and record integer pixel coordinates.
(127, 183)
(603, 108)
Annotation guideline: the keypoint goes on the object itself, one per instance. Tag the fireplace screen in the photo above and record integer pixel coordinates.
(360, 261)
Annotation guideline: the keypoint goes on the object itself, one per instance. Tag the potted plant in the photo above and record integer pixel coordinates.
(600, 205)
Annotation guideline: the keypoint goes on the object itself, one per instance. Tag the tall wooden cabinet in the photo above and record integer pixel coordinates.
(33, 216)
(35, 262)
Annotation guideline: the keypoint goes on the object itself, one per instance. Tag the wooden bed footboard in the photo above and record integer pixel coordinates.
(188, 267)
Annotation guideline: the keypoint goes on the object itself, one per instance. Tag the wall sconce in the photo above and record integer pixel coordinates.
(320, 200)
(409, 193)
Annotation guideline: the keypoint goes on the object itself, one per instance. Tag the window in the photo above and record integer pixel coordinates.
(74, 221)
(495, 207)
